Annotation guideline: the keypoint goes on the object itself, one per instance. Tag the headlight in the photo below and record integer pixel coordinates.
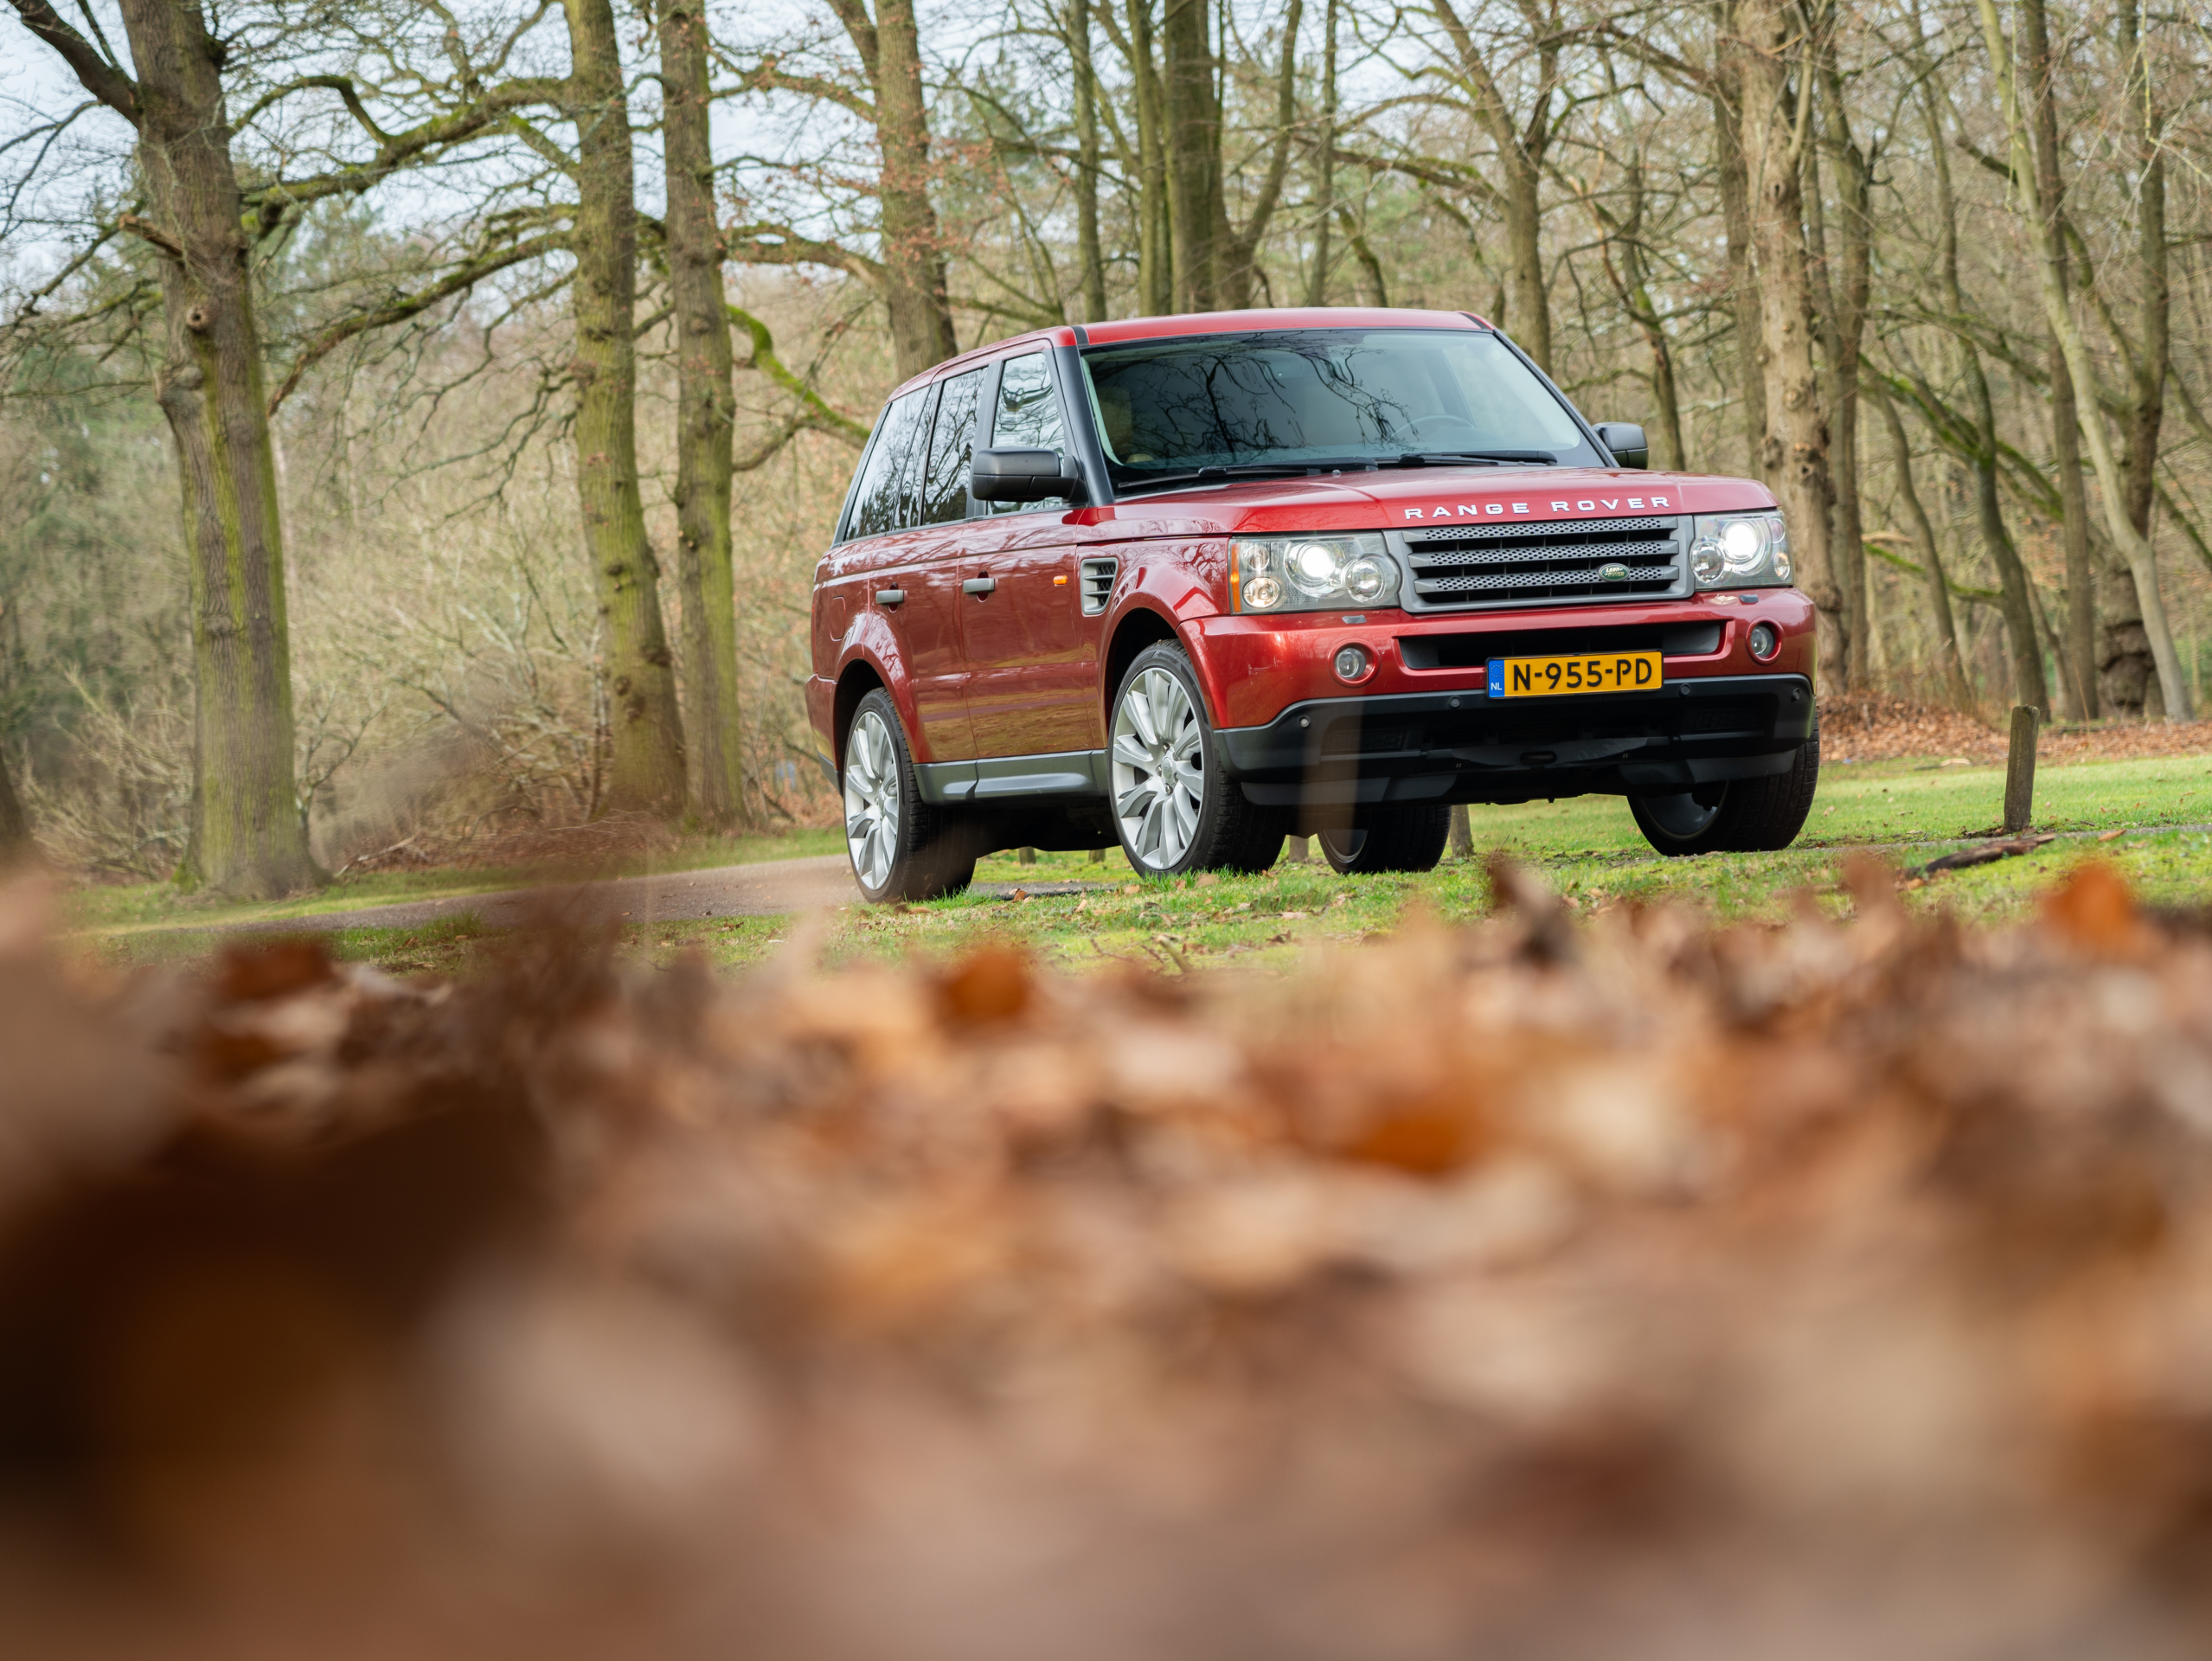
(1740, 550)
(1313, 573)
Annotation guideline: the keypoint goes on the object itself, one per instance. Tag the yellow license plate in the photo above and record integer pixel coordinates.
(1597, 671)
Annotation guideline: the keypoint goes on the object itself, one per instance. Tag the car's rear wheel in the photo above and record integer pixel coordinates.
(902, 847)
(1176, 809)
(1389, 839)
(1743, 816)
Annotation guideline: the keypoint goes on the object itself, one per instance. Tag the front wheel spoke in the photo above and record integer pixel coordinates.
(1186, 813)
(1154, 831)
(1129, 752)
(1166, 695)
(1141, 715)
(1134, 799)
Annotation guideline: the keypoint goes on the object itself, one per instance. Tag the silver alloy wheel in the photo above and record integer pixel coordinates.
(1159, 774)
(871, 800)
(1681, 816)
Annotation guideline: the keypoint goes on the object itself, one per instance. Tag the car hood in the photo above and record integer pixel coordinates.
(1416, 497)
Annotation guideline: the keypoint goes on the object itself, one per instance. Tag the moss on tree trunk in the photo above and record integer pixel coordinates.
(247, 836)
(645, 772)
(705, 418)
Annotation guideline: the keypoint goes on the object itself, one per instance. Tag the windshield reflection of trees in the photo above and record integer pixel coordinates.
(1224, 406)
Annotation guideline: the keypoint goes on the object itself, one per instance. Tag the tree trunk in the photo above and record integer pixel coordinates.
(1088, 251)
(645, 770)
(1843, 320)
(2066, 421)
(247, 836)
(1956, 685)
(705, 419)
(913, 252)
(15, 824)
(2147, 363)
(2017, 605)
(1796, 445)
(1526, 299)
(2133, 546)
(1194, 153)
(1521, 148)
(1324, 183)
(1743, 278)
(1154, 250)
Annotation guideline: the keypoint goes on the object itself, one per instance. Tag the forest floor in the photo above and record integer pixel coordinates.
(2151, 814)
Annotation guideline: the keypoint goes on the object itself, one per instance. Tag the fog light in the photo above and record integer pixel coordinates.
(1766, 641)
(1262, 595)
(1353, 664)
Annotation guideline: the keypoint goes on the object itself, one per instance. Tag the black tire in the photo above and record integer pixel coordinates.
(1744, 815)
(1174, 807)
(920, 852)
(1389, 839)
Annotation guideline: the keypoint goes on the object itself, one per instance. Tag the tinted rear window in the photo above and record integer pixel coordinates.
(883, 500)
(951, 445)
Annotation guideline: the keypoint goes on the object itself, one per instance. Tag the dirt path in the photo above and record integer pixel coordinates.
(767, 889)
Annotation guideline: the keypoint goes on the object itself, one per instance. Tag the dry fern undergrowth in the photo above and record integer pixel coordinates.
(1878, 727)
(1541, 1290)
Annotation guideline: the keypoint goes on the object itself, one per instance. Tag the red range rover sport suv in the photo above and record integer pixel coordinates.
(1195, 583)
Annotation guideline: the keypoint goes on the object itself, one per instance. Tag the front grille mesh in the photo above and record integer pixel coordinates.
(1492, 565)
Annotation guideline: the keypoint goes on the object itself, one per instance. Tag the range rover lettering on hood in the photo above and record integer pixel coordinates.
(1508, 508)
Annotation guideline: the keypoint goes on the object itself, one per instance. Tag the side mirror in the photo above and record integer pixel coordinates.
(1009, 475)
(1625, 440)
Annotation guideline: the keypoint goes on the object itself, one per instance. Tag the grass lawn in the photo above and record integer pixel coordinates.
(1588, 848)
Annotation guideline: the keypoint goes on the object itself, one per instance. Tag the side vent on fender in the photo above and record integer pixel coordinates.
(1098, 585)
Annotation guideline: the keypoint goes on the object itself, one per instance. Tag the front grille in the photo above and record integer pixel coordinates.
(1515, 564)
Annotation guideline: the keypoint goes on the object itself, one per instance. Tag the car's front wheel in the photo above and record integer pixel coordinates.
(1176, 808)
(1743, 816)
(902, 847)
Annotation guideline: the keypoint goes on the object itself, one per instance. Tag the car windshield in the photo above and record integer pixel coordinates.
(1282, 401)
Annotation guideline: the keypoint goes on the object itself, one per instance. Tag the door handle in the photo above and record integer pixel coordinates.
(979, 585)
(890, 598)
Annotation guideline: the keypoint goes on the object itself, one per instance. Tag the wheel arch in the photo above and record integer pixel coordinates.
(1137, 628)
(855, 682)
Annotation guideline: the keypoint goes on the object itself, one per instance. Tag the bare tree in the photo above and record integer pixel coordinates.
(1774, 73)
(247, 834)
(646, 768)
(2065, 328)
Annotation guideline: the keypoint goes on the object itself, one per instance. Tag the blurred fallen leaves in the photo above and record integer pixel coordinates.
(1550, 1288)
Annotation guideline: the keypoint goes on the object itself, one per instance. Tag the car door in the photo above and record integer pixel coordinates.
(1032, 653)
(911, 578)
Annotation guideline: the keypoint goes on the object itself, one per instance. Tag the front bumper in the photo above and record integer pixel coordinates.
(1461, 747)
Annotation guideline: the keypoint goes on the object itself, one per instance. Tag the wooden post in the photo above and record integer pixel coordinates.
(1025, 855)
(1098, 855)
(2020, 770)
(1463, 833)
(1295, 852)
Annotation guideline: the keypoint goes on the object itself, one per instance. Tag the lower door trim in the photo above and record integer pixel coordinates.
(1013, 778)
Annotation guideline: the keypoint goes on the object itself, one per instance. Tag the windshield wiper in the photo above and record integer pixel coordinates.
(1217, 475)
(1494, 457)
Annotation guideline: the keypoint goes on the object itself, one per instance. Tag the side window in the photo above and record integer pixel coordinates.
(1028, 418)
(878, 506)
(951, 443)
